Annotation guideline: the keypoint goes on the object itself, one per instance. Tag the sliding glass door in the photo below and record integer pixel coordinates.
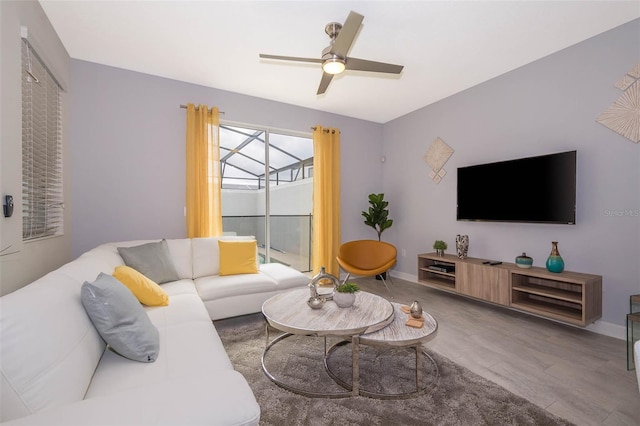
(267, 191)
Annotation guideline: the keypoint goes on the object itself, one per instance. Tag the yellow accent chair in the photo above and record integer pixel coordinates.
(367, 258)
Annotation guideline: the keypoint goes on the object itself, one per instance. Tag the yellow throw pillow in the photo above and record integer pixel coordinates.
(146, 291)
(238, 257)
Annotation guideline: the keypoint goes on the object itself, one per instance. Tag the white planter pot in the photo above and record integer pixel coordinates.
(344, 300)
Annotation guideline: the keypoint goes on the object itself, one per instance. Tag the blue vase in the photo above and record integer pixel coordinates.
(555, 262)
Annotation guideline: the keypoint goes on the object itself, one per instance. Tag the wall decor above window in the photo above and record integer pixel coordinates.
(436, 156)
(623, 116)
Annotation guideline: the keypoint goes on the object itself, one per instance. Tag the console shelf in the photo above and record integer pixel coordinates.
(438, 279)
(570, 297)
(548, 309)
(551, 293)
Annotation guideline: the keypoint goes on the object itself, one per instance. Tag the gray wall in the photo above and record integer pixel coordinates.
(128, 155)
(545, 107)
(22, 263)
(125, 166)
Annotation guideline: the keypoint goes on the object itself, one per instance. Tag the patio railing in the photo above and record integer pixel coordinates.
(290, 237)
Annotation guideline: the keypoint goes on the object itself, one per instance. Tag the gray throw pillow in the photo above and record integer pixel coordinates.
(152, 260)
(120, 319)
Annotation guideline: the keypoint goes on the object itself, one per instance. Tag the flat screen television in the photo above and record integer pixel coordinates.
(539, 189)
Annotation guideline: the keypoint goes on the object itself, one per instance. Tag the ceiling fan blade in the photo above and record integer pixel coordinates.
(291, 58)
(347, 34)
(372, 66)
(324, 83)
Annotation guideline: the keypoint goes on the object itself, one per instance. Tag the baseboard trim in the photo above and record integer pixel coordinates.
(600, 327)
(608, 329)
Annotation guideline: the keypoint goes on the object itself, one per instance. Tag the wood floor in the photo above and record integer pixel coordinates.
(573, 373)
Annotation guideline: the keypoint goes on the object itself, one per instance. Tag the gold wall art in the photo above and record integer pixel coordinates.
(436, 156)
(623, 117)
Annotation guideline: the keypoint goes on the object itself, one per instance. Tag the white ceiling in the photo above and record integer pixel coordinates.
(445, 46)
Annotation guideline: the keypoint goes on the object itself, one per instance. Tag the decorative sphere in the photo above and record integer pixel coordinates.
(416, 310)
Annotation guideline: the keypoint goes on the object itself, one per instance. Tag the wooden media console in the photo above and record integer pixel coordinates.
(571, 297)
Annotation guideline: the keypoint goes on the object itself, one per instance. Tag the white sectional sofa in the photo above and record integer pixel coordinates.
(56, 369)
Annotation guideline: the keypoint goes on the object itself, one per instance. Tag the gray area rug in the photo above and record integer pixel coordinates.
(452, 394)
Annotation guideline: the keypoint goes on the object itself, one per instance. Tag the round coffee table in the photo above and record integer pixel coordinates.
(288, 312)
(397, 335)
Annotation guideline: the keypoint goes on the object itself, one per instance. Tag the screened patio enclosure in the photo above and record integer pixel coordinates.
(267, 181)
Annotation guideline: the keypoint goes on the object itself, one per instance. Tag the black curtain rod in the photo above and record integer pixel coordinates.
(325, 130)
(197, 108)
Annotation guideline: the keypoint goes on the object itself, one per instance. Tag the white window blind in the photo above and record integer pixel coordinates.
(42, 196)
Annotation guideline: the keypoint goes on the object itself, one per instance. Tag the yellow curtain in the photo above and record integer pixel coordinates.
(204, 213)
(326, 199)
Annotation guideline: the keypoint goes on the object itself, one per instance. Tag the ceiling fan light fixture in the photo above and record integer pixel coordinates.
(333, 65)
(334, 57)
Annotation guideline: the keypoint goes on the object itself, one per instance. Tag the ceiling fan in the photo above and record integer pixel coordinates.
(334, 58)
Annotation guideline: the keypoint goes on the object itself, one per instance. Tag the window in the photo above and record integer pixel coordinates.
(42, 196)
(242, 157)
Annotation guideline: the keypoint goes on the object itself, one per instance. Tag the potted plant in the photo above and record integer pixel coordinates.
(440, 246)
(377, 216)
(345, 294)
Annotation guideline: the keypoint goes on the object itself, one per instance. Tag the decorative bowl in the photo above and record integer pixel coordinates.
(316, 302)
(524, 261)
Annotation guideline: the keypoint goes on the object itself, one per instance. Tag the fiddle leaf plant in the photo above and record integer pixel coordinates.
(377, 216)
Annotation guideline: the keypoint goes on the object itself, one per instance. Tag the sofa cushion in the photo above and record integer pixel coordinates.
(238, 257)
(206, 254)
(120, 319)
(284, 276)
(145, 290)
(189, 347)
(153, 260)
(217, 287)
(179, 287)
(180, 250)
(217, 398)
(90, 264)
(49, 348)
